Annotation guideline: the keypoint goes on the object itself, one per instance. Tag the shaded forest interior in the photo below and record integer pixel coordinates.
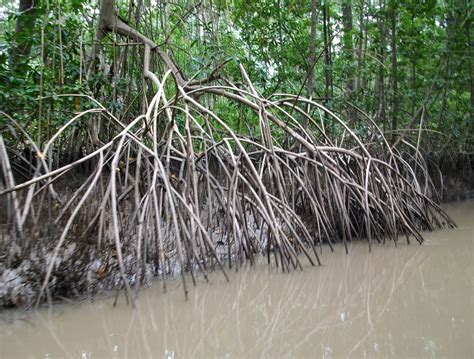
(159, 138)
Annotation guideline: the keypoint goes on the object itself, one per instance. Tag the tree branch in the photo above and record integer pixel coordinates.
(110, 22)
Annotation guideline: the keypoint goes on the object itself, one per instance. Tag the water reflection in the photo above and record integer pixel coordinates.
(406, 301)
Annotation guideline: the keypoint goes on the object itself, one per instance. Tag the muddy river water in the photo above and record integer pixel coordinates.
(411, 300)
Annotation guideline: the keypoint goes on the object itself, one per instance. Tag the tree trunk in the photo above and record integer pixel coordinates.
(380, 90)
(394, 75)
(327, 51)
(348, 43)
(414, 54)
(312, 48)
(26, 22)
(361, 81)
(109, 22)
(467, 28)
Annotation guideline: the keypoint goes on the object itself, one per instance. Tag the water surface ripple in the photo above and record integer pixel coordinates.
(411, 300)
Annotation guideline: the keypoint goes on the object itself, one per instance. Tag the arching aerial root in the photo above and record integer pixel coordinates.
(179, 190)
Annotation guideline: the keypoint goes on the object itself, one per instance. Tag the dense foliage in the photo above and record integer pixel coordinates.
(408, 64)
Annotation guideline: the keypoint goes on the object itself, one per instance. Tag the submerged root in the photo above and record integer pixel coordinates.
(179, 190)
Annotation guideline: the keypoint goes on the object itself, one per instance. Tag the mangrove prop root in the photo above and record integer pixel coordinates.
(178, 190)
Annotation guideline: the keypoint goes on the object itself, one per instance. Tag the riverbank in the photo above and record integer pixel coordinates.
(457, 180)
(83, 270)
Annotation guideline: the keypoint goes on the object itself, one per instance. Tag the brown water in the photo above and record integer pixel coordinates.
(394, 302)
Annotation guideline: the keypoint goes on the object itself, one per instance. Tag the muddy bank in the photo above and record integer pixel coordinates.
(457, 180)
(85, 265)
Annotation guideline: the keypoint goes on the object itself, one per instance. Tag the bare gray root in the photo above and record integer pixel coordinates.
(179, 190)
